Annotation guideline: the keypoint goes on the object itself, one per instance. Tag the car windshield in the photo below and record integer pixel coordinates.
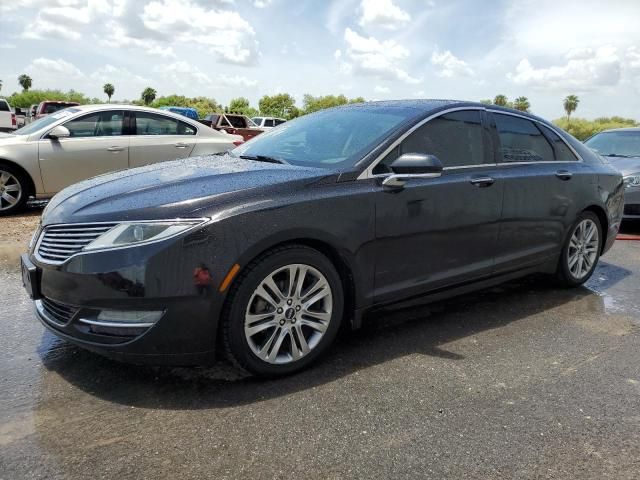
(330, 138)
(45, 121)
(623, 144)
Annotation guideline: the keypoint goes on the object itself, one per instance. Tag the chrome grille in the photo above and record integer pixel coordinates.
(58, 312)
(58, 242)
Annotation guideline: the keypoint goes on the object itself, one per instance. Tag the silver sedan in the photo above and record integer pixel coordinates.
(77, 143)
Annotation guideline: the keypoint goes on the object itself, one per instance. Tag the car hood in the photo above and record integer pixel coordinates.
(193, 187)
(7, 139)
(626, 166)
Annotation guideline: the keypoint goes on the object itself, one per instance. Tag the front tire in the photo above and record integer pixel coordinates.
(13, 190)
(283, 312)
(581, 251)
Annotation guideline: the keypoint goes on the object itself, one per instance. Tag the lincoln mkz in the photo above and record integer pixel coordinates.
(265, 252)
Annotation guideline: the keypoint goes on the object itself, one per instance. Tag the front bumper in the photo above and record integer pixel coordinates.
(632, 204)
(157, 278)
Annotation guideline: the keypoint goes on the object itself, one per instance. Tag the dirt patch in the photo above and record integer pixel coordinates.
(18, 228)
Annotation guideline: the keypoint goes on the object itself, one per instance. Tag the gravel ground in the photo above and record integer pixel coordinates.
(520, 381)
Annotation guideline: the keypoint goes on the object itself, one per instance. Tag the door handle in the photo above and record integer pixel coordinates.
(115, 149)
(564, 175)
(482, 182)
(180, 145)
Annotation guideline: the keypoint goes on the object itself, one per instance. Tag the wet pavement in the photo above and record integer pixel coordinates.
(520, 381)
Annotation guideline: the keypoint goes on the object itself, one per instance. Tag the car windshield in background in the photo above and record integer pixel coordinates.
(45, 121)
(622, 144)
(331, 138)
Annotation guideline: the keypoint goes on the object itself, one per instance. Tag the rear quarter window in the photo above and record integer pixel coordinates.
(521, 140)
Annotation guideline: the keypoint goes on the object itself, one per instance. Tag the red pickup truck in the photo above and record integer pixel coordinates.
(233, 124)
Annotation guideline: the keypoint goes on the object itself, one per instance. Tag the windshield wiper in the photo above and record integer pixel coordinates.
(263, 158)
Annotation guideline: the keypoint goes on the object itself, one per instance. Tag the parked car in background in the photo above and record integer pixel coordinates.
(21, 116)
(51, 106)
(621, 147)
(8, 121)
(233, 124)
(267, 122)
(70, 145)
(188, 112)
(266, 251)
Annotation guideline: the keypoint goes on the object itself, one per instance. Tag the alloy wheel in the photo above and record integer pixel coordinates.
(10, 190)
(288, 314)
(583, 248)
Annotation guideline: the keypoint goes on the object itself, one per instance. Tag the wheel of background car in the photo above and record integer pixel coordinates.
(13, 189)
(581, 250)
(283, 311)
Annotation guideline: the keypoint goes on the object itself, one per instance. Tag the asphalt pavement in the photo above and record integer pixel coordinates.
(520, 381)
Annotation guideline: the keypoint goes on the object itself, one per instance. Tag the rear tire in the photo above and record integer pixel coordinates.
(283, 312)
(581, 251)
(14, 191)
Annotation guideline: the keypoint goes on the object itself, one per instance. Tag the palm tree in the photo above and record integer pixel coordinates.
(522, 104)
(108, 90)
(501, 100)
(570, 105)
(25, 82)
(148, 95)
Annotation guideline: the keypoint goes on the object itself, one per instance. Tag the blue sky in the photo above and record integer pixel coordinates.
(378, 49)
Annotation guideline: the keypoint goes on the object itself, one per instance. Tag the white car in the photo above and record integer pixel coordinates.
(8, 121)
(268, 122)
(80, 142)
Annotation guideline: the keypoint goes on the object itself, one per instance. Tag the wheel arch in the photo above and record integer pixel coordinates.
(343, 265)
(604, 222)
(31, 184)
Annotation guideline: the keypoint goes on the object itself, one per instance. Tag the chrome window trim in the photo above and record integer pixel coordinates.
(368, 172)
(80, 114)
(202, 222)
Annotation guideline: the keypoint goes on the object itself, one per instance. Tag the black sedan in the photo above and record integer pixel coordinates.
(264, 252)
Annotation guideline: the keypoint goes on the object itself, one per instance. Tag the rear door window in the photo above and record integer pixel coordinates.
(98, 124)
(521, 140)
(153, 124)
(562, 152)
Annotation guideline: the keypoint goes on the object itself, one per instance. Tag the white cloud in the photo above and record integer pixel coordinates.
(118, 38)
(115, 75)
(450, 66)
(224, 33)
(382, 13)
(381, 89)
(261, 3)
(369, 56)
(583, 71)
(184, 74)
(236, 81)
(50, 67)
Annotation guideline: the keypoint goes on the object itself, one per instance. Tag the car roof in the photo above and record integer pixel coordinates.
(624, 129)
(427, 106)
(120, 106)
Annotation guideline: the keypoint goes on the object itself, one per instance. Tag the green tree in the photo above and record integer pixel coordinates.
(281, 105)
(583, 129)
(313, 104)
(31, 97)
(522, 104)
(487, 101)
(241, 105)
(25, 82)
(108, 90)
(203, 105)
(570, 105)
(148, 95)
(501, 100)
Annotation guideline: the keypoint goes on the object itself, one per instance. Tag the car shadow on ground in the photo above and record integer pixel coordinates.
(425, 330)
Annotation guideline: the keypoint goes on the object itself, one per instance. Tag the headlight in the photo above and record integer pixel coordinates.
(632, 180)
(128, 234)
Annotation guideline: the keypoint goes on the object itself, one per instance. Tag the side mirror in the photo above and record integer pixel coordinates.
(59, 132)
(413, 165)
